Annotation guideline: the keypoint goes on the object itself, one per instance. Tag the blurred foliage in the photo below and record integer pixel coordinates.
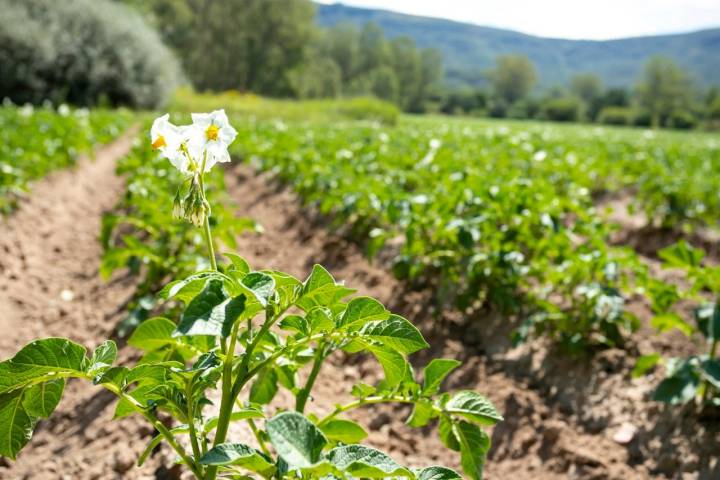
(253, 106)
(84, 52)
(249, 45)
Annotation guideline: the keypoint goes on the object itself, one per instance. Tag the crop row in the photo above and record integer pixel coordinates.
(505, 215)
(34, 142)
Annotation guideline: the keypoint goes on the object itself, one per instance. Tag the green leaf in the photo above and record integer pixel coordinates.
(259, 286)
(362, 390)
(239, 455)
(211, 312)
(393, 364)
(239, 264)
(186, 289)
(682, 255)
(296, 439)
(438, 473)
(421, 414)
(42, 359)
(668, 321)
(41, 399)
(295, 323)
(157, 440)
(710, 370)
(447, 434)
(103, 357)
(396, 333)
(153, 334)
(264, 387)
(237, 415)
(345, 431)
(474, 445)
(474, 407)
(645, 363)
(365, 462)
(362, 310)
(321, 319)
(319, 277)
(435, 373)
(321, 290)
(16, 424)
(681, 384)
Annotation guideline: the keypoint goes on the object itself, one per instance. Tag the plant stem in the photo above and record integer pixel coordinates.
(368, 401)
(713, 350)
(191, 425)
(227, 401)
(259, 439)
(302, 397)
(159, 426)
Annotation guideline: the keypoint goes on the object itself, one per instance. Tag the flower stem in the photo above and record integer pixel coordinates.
(206, 226)
(209, 241)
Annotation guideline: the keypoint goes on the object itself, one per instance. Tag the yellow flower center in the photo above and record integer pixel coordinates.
(159, 142)
(212, 132)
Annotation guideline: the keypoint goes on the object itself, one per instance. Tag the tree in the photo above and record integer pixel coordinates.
(431, 76)
(341, 43)
(513, 78)
(236, 44)
(663, 89)
(406, 63)
(588, 88)
(373, 50)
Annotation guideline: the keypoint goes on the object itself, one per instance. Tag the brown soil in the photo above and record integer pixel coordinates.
(563, 415)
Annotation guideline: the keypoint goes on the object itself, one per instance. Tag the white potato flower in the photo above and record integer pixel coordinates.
(179, 144)
(214, 135)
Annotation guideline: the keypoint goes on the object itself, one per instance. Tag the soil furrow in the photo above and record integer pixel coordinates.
(49, 286)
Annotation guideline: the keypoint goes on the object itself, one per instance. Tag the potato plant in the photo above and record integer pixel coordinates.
(139, 236)
(486, 215)
(695, 378)
(241, 335)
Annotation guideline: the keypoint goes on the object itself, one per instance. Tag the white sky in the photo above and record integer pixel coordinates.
(597, 19)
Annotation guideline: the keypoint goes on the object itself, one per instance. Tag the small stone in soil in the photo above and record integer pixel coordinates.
(625, 433)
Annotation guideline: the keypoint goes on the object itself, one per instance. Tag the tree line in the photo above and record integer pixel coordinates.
(273, 47)
(664, 96)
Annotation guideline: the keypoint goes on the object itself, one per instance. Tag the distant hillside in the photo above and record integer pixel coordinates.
(471, 49)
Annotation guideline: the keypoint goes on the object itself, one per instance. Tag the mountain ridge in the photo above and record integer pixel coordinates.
(469, 50)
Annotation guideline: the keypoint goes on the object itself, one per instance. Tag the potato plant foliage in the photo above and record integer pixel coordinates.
(239, 336)
(696, 377)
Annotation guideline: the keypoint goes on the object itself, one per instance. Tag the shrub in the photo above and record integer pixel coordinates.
(681, 119)
(714, 109)
(642, 119)
(562, 109)
(85, 52)
(364, 108)
(616, 116)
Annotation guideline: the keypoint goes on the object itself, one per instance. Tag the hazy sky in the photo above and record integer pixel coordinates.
(597, 19)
